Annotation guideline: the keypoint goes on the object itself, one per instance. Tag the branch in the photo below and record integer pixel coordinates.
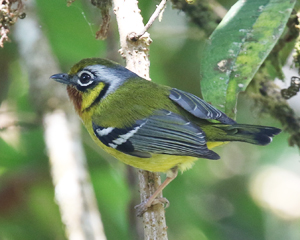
(160, 8)
(73, 190)
(136, 55)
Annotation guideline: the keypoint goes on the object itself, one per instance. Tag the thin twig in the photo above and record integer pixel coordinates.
(217, 8)
(135, 36)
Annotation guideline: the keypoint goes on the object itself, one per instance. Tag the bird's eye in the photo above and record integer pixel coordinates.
(85, 78)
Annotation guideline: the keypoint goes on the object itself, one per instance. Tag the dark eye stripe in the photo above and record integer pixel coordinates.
(103, 92)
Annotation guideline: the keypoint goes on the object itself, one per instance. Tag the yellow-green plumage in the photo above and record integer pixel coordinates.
(110, 99)
(112, 109)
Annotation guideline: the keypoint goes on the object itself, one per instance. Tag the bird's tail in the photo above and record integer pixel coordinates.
(259, 135)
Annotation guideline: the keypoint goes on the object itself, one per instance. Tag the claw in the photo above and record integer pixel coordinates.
(144, 206)
(141, 208)
(163, 200)
(152, 200)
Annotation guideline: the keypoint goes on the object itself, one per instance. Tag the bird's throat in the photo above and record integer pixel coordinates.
(76, 97)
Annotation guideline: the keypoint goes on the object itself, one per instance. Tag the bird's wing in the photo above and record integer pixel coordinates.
(163, 132)
(198, 107)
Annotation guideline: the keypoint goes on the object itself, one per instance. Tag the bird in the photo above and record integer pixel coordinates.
(150, 126)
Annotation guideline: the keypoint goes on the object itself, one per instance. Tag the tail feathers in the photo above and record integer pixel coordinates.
(259, 135)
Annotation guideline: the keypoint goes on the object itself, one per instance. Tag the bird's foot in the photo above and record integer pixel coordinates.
(145, 205)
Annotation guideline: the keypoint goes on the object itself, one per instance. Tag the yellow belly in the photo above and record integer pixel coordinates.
(158, 162)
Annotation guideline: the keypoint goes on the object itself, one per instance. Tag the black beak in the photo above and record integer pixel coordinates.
(61, 77)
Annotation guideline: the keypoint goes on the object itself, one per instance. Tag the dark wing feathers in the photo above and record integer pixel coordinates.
(198, 107)
(165, 132)
(117, 137)
(162, 133)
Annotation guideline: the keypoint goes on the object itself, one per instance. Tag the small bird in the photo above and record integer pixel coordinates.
(147, 125)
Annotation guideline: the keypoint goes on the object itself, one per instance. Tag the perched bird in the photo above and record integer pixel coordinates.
(147, 125)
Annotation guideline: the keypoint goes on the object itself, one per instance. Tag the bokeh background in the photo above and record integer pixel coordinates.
(251, 193)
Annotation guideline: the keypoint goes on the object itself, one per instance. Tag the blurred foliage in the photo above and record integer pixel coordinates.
(213, 200)
(238, 47)
(201, 13)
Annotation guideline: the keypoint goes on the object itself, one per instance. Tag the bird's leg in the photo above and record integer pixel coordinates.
(152, 200)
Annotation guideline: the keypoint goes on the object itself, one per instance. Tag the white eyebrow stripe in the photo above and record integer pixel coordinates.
(85, 71)
(104, 74)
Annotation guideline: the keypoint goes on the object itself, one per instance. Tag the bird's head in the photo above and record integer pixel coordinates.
(91, 80)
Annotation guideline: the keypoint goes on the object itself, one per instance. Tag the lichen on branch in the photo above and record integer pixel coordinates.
(10, 11)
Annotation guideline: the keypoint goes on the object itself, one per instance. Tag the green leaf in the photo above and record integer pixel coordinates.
(238, 47)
